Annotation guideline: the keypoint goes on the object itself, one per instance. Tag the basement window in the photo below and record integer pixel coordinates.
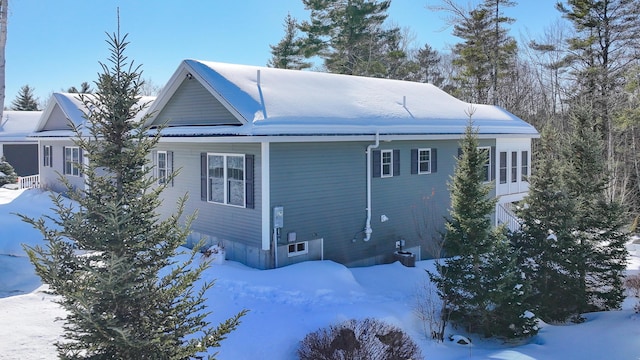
(297, 249)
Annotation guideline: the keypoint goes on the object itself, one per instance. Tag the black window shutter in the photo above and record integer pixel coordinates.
(434, 160)
(493, 163)
(376, 163)
(64, 160)
(414, 161)
(396, 162)
(249, 164)
(459, 153)
(170, 165)
(203, 176)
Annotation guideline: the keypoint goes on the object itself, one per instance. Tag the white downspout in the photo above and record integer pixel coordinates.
(367, 228)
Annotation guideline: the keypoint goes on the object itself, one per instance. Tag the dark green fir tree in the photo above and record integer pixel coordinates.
(108, 255)
(479, 280)
(598, 221)
(545, 241)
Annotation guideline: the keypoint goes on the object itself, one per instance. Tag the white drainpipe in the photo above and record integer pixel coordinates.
(367, 228)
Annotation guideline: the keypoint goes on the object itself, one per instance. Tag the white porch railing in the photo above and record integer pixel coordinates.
(504, 215)
(29, 182)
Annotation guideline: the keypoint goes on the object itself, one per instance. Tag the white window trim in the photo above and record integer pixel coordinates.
(487, 164)
(503, 170)
(430, 162)
(162, 179)
(226, 182)
(515, 169)
(295, 251)
(382, 163)
(524, 166)
(48, 158)
(74, 169)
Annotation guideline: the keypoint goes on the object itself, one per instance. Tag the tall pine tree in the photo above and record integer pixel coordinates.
(348, 34)
(109, 256)
(287, 54)
(479, 281)
(25, 100)
(604, 46)
(486, 52)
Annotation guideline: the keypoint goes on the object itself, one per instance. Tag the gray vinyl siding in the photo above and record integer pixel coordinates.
(322, 187)
(192, 104)
(50, 176)
(239, 229)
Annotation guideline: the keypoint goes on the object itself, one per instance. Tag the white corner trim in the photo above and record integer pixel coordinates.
(265, 195)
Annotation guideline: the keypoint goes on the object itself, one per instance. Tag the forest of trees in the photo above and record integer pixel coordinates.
(591, 59)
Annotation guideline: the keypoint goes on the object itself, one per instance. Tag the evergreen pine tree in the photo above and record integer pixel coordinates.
(486, 52)
(25, 100)
(545, 241)
(109, 256)
(7, 173)
(85, 88)
(347, 35)
(287, 54)
(600, 241)
(428, 60)
(479, 281)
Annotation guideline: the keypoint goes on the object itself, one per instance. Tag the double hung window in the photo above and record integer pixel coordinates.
(226, 179)
(72, 161)
(47, 156)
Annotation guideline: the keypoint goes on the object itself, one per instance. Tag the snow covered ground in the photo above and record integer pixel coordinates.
(287, 303)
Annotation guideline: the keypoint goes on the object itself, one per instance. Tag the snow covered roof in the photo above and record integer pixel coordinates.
(63, 108)
(269, 101)
(15, 126)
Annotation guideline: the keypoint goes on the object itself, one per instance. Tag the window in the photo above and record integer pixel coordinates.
(424, 161)
(524, 172)
(164, 167)
(503, 167)
(226, 179)
(297, 249)
(514, 166)
(72, 161)
(386, 163)
(47, 156)
(486, 152)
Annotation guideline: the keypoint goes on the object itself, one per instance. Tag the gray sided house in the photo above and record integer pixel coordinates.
(15, 145)
(58, 155)
(285, 166)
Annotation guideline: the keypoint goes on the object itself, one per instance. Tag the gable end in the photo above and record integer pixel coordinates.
(193, 104)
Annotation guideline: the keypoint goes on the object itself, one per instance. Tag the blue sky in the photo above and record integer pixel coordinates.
(53, 45)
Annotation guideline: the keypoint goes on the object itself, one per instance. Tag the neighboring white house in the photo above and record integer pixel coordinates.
(53, 133)
(15, 145)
